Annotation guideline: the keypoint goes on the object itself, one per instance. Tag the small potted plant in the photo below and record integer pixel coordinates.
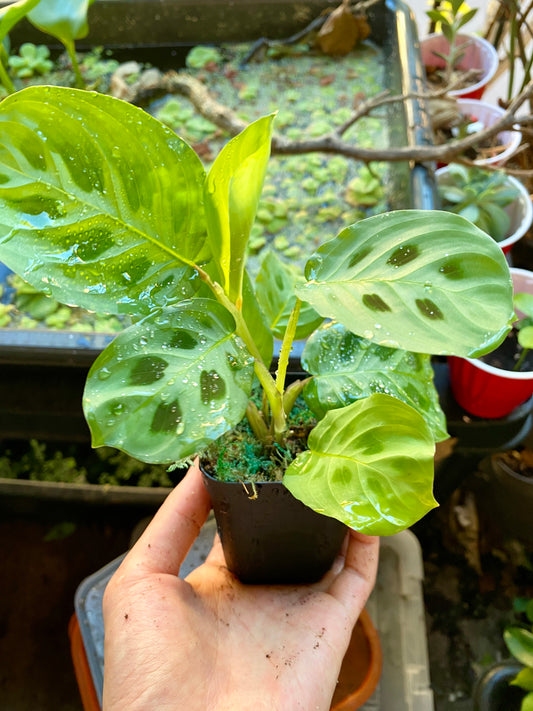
(465, 63)
(492, 386)
(497, 203)
(454, 119)
(104, 207)
(509, 684)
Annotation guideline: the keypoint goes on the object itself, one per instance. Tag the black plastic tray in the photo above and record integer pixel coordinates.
(43, 371)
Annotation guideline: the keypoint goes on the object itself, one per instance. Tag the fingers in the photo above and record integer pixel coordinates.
(354, 583)
(166, 541)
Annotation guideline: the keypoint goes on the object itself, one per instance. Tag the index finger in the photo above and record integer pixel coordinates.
(166, 541)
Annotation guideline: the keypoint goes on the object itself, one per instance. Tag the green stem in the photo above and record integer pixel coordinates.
(521, 359)
(286, 346)
(71, 51)
(275, 398)
(4, 76)
(5, 80)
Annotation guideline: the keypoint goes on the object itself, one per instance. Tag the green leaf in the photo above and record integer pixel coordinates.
(232, 193)
(524, 679)
(426, 281)
(524, 302)
(436, 16)
(169, 385)
(527, 703)
(519, 641)
(12, 14)
(347, 367)
(256, 322)
(370, 465)
(100, 204)
(275, 288)
(466, 18)
(64, 19)
(525, 337)
(499, 221)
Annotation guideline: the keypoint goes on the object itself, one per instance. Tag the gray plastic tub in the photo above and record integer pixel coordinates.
(396, 607)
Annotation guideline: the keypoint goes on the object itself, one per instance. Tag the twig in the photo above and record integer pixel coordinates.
(332, 142)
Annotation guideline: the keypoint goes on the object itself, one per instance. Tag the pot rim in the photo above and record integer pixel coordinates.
(511, 144)
(489, 51)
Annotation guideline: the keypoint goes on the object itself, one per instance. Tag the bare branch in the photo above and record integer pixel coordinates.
(332, 142)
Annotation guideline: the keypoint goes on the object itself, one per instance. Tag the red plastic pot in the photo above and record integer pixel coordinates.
(479, 54)
(482, 389)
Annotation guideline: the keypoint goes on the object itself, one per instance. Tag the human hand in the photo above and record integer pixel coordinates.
(210, 643)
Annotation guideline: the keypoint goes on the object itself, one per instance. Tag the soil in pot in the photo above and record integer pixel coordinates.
(508, 354)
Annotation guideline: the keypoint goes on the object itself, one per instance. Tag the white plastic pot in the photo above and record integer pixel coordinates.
(488, 114)
(479, 54)
(520, 210)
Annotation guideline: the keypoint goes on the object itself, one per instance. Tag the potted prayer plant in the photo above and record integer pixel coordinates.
(464, 62)
(104, 207)
(493, 385)
(496, 202)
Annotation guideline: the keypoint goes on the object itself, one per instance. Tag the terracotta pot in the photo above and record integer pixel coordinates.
(361, 667)
(482, 389)
(520, 210)
(269, 537)
(479, 54)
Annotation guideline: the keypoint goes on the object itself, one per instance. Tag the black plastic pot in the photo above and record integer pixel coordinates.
(508, 495)
(476, 437)
(270, 537)
(493, 692)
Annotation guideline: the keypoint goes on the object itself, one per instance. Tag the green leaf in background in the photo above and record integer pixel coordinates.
(347, 367)
(12, 14)
(166, 387)
(256, 322)
(426, 281)
(369, 465)
(232, 193)
(64, 19)
(275, 288)
(519, 642)
(524, 679)
(107, 235)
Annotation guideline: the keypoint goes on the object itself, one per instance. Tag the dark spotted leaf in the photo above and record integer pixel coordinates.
(423, 280)
(347, 367)
(370, 465)
(275, 287)
(166, 387)
(100, 204)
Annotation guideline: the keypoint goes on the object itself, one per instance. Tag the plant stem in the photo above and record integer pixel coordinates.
(275, 398)
(521, 359)
(4, 76)
(71, 51)
(286, 346)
